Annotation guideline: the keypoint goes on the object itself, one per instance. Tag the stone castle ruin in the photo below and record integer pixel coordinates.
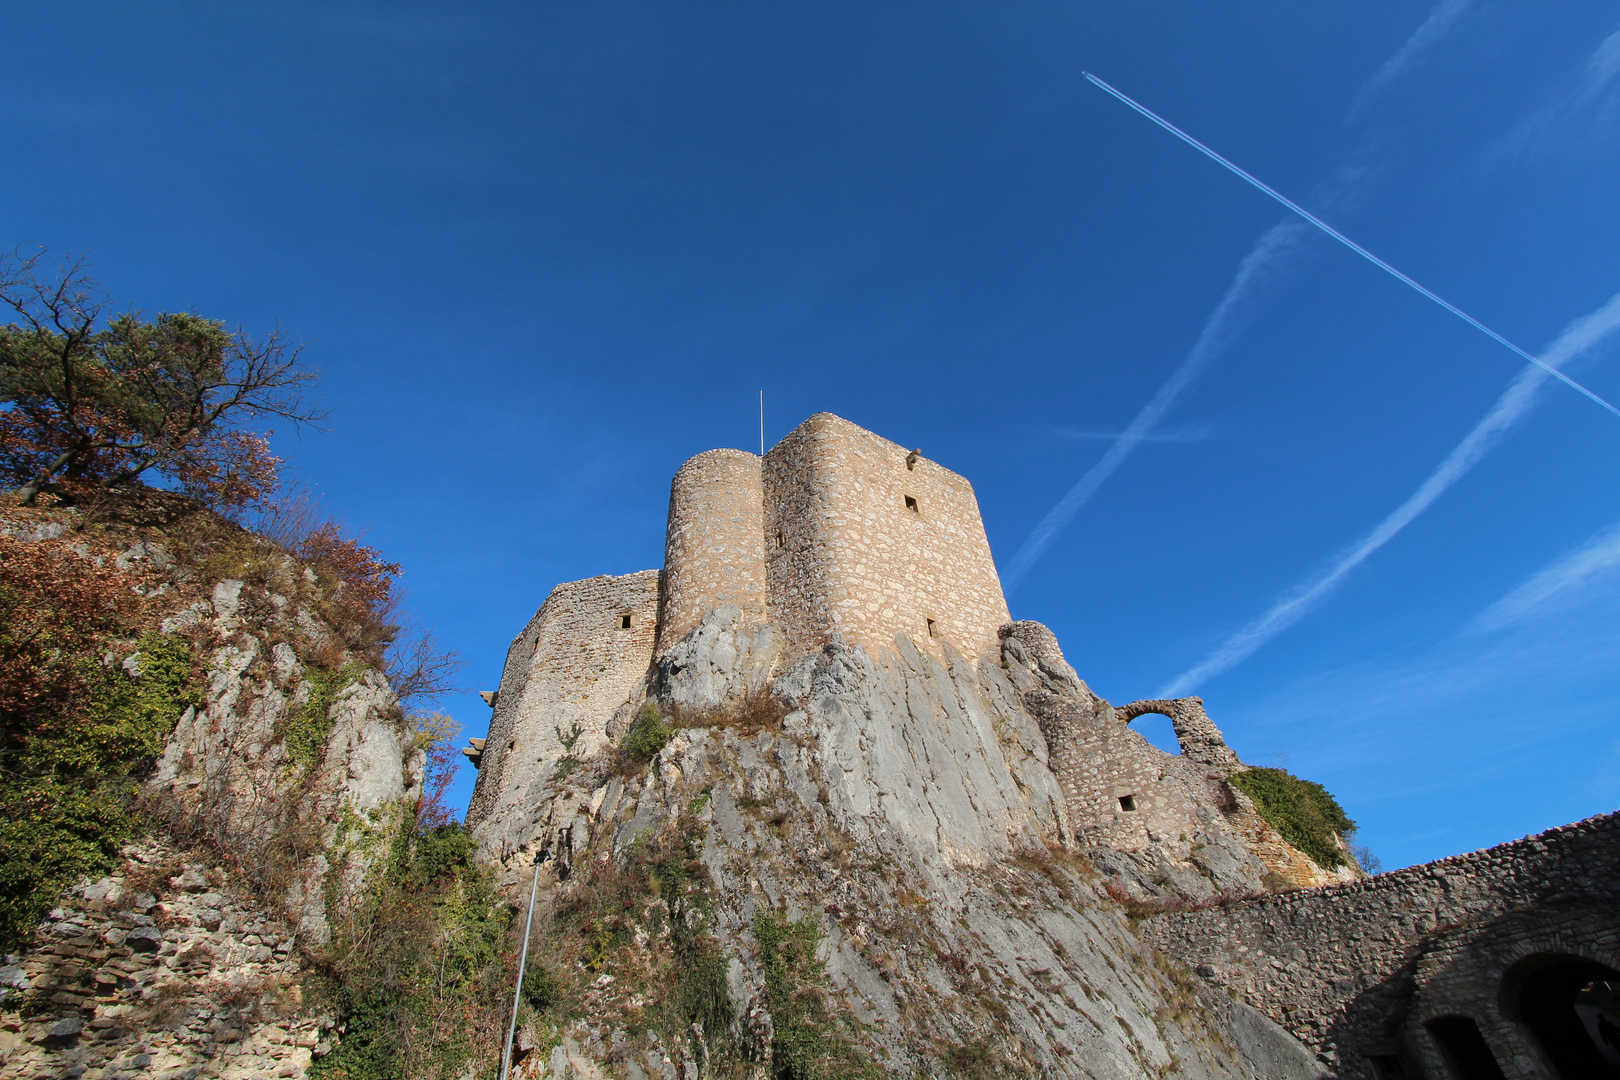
(847, 583)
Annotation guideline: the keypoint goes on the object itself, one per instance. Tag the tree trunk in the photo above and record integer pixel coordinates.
(30, 491)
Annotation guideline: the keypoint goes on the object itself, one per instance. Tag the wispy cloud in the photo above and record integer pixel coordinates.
(1223, 325)
(1182, 435)
(1230, 317)
(1511, 718)
(1515, 401)
(1556, 586)
(1589, 112)
(1433, 29)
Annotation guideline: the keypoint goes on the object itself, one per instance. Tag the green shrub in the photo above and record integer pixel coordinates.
(305, 729)
(440, 853)
(811, 1038)
(648, 735)
(541, 988)
(1304, 812)
(416, 974)
(68, 791)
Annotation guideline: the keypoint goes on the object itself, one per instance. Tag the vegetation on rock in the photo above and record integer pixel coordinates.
(647, 736)
(418, 969)
(811, 1038)
(70, 774)
(1303, 811)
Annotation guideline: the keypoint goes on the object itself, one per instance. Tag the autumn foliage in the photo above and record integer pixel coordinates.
(55, 608)
(94, 401)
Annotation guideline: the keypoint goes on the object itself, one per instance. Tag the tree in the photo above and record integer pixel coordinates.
(96, 400)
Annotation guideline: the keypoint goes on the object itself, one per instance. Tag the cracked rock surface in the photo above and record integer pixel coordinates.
(904, 804)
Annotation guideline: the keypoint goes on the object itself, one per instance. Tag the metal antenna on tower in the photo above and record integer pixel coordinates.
(762, 423)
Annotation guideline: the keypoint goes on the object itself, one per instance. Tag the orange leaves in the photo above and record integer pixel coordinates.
(366, 579)
(54, 607)
(228, 470)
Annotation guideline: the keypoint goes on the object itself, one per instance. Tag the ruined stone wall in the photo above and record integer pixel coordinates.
(1187, 833)
(1355, 970)
(714, 547)
(867, 541)
(575, 663)
(165, 968)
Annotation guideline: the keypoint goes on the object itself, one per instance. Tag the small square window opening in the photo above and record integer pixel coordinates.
(911, 504)
(1127, 803)
(933, 628)
(624, 622)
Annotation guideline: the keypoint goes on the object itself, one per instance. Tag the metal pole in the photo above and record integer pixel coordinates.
(523, 958)
(762, 423)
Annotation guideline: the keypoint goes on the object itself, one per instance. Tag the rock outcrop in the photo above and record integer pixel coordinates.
(293, 760)
(904, 804)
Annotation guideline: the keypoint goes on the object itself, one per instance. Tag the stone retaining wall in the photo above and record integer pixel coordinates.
(1356, 970)
(160, 970)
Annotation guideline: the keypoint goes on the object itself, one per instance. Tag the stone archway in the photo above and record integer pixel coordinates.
(1572, 1007)
(1200, 739)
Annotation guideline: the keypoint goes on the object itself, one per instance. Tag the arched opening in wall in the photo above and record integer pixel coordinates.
(1468, 1056)
(1572, 1006)
(1157, 729)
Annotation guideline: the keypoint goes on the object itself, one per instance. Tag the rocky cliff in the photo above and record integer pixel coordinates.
(260, 759)
(900, 815)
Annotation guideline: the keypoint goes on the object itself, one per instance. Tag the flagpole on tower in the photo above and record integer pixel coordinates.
(762, 423)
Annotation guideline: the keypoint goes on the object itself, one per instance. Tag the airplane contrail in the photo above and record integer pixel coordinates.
(1217, 331)
(1221, 327)
(1345, 240)
(1514, 402)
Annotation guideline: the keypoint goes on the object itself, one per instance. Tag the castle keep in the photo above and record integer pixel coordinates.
(847, 582)
(836, 531)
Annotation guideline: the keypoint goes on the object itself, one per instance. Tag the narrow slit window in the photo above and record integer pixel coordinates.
(1127, 803)
(624, 622)
(911, 504)
(781, 541)
(933, 628)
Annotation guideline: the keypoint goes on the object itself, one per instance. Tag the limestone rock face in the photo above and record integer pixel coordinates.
(228, 765)
(905, 804)
(723, 659)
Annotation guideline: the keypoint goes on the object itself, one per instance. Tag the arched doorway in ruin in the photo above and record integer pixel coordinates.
(1571, 1005)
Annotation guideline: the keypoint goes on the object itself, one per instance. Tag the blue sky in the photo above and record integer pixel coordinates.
(543, 254)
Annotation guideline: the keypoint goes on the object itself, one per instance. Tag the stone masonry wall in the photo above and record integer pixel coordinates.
(714, 548)
(1353, 970)
(162, 969)
(575, 663)
(1167, 826)
(867, 541)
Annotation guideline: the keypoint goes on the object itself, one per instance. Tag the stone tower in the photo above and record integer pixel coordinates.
(836, 531)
